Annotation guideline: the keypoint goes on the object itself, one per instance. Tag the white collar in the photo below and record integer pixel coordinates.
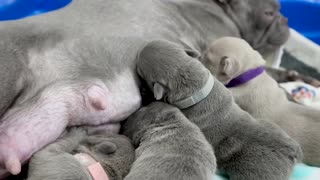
(197, 96)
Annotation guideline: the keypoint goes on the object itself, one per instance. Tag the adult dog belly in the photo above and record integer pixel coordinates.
(94, 42)
(105, 18)
(95, 39)
(54, 51)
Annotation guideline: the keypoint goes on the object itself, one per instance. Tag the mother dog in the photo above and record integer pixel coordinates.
(76, 65)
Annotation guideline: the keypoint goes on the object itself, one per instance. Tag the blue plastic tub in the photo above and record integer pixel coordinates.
(16, 9)
(304, 16)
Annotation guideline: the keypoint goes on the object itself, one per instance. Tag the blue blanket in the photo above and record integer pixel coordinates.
(300, 172)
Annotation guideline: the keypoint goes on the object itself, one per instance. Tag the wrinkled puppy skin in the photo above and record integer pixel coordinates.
(244, 147)
(56, 161)
(169, 146)
(262, 97)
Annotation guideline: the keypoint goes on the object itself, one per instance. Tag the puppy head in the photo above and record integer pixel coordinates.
(148, 117)
(115, 152)
(228, 57)
(259, 21)
(171, 71)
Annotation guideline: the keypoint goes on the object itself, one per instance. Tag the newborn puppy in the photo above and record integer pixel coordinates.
(169, 146)
(232, 58)
(83, 156)
(244, 148)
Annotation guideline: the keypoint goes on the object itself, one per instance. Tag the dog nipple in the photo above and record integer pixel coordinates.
(13, 165)
(97, 97)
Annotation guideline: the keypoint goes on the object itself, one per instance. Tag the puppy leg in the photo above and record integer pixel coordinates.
(55, 161)
(258, 163)
(258, 151)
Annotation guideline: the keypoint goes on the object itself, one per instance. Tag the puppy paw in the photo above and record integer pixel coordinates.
(293, 151)
(280, 141)
(288, 147)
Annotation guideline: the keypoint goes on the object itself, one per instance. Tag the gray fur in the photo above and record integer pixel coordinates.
(263, 98)
(11, 78)
(56, 161)
(169, 146)
(245, 148)
(191, 23)
(259, 22)
(98, 40)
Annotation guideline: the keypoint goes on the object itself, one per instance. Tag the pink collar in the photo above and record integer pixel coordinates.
(94, 168)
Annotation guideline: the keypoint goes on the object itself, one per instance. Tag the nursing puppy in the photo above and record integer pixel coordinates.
(75, 156)
(78, 62)
(228, 58)
(244, 148)
(169, 146)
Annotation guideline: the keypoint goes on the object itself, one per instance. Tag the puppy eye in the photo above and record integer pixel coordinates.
(106, 148)
(223, 74)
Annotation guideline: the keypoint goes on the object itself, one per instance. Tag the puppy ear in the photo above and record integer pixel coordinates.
(190, 50)
(229, 67)
(193, 53)
(158, 91)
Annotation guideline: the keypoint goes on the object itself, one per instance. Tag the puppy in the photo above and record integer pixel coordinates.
(228, 59)
(244, 148)
(82, 58)
(169, 146)
(84, 156)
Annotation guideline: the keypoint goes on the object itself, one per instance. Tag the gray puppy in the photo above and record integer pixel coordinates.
(77, 154)
(78, 62)
(227, 58)
(169, 146)
(245, 149)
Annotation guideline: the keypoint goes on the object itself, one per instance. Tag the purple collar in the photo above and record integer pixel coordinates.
(245, 77)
